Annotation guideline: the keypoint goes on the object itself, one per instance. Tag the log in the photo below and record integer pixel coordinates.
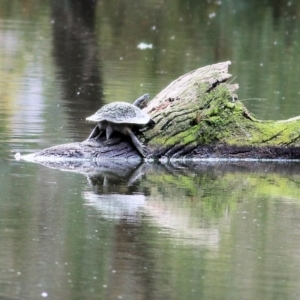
(197, 117)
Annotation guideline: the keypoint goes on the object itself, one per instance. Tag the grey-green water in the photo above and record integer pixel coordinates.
(183, 231)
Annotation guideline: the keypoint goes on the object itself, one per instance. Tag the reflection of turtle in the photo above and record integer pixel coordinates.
(121, 117)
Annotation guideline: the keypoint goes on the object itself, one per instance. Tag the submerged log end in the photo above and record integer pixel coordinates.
(115, 148)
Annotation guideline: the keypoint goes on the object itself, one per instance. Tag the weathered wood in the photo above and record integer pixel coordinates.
(196, 117)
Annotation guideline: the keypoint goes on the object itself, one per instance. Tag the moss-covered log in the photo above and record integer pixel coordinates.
(196, 116)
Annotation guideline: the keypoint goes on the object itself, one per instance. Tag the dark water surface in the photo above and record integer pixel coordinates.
(222, 230)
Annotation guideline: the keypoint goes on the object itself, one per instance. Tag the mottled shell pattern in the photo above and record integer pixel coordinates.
(120, 112)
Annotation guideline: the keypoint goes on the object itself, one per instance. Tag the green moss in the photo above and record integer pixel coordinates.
(217, 119)
(229, 105)
(182, 138)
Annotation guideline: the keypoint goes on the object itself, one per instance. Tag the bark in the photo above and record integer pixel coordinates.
(197, 117)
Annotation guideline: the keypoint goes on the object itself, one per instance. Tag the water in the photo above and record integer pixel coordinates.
(222, 230)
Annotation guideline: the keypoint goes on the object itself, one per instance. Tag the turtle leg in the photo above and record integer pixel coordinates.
(96, 133)
(109, 131)
(138, 145)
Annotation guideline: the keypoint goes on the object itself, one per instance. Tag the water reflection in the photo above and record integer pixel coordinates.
(134, 230)
(76, 54)
(118, 207)
(129, 203)
(218, 210)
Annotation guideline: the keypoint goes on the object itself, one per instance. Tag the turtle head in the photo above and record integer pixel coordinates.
(142, 101)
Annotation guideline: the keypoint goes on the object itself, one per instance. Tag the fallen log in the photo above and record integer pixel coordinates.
(197, 117)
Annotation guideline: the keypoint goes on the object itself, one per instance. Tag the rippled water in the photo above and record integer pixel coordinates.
(222, 230)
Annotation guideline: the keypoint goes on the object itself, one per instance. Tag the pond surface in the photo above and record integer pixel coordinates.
(206, 230)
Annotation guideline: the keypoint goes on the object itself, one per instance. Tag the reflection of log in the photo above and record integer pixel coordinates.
(196, 117)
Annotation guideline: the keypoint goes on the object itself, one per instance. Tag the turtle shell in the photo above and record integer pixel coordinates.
(120, 112)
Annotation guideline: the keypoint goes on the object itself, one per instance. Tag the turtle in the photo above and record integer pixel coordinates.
(122, 117)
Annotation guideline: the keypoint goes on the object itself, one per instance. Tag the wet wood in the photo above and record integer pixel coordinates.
(197, 116)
